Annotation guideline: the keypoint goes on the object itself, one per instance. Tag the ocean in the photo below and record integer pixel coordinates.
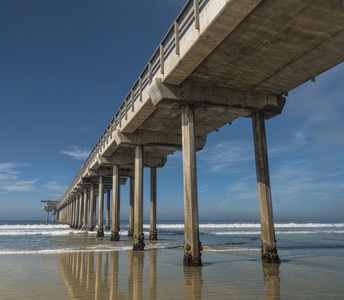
(53, 261)
(24, 237)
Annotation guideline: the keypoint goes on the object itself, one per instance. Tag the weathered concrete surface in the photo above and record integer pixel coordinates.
(277, 47)
(85, 209)
(131, 207)
(268, 242)
(138, 206)
(100, 231)
(153, 235)
(91, 220)
(192, 245)
(107, 219)
(115, 228)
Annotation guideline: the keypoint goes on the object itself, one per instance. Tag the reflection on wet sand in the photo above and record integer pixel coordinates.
(272, 280)
(193, 282)
(134, 275)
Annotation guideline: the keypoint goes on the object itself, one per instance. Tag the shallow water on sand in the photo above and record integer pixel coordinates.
(40, 261)
(159, 274)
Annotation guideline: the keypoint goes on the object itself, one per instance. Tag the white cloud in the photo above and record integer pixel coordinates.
(77, 153)
(9, 180)
(19, 186)
(220, 157)
(224, 157)
(55, 186)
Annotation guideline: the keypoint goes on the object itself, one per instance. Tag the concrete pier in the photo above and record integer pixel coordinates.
(91, 221)
(131, 207)
(152, 231)
(107, 216)
(268, 241)
(100, 231)
(192, 245)
(138, 206)
(115, 204)
(204, 73)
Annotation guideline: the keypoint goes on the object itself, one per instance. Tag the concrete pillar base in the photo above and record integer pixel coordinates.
(131, 232)
(269, 253)
(100, 232)
(192, 261)
(153, 235)
(114, 236)
(91, 228)
(107, 228)
(139, 244)
(84, 227)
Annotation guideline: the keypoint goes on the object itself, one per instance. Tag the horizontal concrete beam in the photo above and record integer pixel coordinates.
(206, 96)
(154, 140)
(127, 159)
(106, 180)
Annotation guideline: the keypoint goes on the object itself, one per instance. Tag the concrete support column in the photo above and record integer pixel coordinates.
(192, 244)
(138, 205)
(52, 218)
(107, 215)
(268, 242)
(85, 209)
(131, 207)
(70, 207)
(47, 217)
(100, 232)
(115, 228)
(94, 209)
(76, 215)
(81, 209)
(91, 223)
(152, 231)
(75, 209)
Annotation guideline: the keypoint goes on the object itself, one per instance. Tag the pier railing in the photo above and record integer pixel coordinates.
(188, 16)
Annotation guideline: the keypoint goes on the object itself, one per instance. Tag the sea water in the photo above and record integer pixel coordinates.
(25, 237)
(53, 261)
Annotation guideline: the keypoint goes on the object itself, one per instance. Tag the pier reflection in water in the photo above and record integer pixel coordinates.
(139, 275)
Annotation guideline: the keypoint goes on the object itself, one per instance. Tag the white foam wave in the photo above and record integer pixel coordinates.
(277, 232)
(58, 251)
(251, 225)
(56, 232)
(37, 226)
(208, 249)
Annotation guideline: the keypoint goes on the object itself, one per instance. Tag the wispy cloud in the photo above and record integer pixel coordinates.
(244, 189)
(224, 157)
(220, 157)
(19, 186)
(55, 186)
(10, 181)
(77, 153)
(294, 181)
(203, 188)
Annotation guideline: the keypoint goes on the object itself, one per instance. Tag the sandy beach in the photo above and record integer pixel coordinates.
(159, 274)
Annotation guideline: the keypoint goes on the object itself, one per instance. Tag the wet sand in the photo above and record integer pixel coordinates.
(159, 274)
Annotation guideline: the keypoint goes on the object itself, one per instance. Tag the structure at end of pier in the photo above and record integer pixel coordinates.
(51, 206)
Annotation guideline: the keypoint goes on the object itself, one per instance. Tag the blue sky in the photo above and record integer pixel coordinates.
(66, 66)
